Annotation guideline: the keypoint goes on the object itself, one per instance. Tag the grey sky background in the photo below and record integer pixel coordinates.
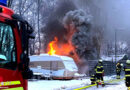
(111, 15)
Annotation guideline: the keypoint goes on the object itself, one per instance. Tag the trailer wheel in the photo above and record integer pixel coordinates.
(38, 77)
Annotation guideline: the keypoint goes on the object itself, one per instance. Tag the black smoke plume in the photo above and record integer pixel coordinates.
(67, 18)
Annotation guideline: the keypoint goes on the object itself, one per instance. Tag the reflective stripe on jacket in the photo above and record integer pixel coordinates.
(99, 69)
(127, 70)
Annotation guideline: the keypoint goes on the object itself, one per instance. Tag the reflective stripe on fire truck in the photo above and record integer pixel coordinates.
(8, 83)
(17, 88)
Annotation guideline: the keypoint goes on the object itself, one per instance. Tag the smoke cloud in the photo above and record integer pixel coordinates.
(54, 26)
(82, 38)
(73, 26)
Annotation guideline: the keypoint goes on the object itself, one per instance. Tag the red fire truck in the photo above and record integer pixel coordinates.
(15, 33)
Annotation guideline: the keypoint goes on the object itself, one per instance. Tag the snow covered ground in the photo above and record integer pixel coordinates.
(72, 84)
(56, 84)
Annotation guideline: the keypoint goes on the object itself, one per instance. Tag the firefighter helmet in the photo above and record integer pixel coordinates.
(128, 62)
(122, 64)
(118, 63)
(100, 60)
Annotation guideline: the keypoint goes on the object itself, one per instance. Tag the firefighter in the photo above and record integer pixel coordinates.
(118, 70)
(99, 73)
(93, 79)
(127, 74)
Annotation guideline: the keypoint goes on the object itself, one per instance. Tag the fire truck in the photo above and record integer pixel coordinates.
(15, 33)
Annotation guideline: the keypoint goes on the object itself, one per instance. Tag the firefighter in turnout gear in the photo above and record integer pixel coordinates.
(93, 79)
(127, 74)
(118, 70)
(99, 73)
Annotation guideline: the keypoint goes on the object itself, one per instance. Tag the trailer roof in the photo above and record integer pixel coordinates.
(46, 57)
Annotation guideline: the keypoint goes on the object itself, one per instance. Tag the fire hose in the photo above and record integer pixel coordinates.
(107, 82)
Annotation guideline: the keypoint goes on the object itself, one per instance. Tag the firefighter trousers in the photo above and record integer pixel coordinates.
(99, 77)
(127, 82)
(118, 75)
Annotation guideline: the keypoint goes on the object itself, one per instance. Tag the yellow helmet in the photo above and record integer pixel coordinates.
(118, 63)
(127, 61)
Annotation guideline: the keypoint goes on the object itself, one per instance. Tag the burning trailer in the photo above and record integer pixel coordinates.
(53, 67)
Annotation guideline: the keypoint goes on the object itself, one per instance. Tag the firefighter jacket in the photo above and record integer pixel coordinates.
(99, 69)
(118, 67)
(127, 71)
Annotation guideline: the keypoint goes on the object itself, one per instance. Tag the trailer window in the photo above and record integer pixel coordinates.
(70, 65)
(57, 65)
(7, 47)
(61, 65)
(54, 65)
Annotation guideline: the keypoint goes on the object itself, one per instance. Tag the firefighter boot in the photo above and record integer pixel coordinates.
(103, 84)
(92, 82)
(118, 77)
(97, 84)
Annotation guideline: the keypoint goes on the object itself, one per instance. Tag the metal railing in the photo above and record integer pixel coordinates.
(109, 67)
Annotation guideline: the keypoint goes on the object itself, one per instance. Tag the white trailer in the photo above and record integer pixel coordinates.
(53, 66)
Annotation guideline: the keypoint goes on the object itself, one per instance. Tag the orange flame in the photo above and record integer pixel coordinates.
(59, 48)
(65, 49)
(52, 51)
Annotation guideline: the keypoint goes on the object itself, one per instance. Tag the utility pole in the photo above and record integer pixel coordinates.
(38, 8)
(115, 46)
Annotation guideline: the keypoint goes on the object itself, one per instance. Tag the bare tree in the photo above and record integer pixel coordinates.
(10, 3)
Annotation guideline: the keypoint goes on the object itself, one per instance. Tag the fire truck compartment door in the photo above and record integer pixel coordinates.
(10, 77)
